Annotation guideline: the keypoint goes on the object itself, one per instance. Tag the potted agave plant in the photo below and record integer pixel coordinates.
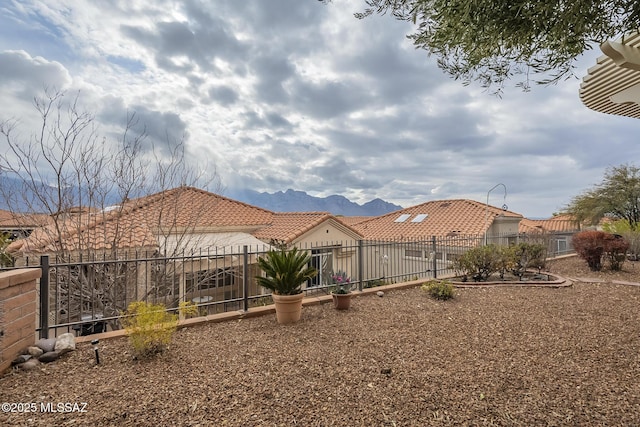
(285, 272)
(341, 290)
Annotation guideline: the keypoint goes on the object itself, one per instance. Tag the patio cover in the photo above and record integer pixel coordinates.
(612, 86)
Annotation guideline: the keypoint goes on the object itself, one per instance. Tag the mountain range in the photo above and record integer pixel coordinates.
(287, 201)
(300, 201)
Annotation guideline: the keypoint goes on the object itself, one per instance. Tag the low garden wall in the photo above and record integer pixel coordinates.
(18, 303)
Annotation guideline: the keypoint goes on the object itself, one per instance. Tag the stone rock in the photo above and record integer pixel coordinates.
(65, 343)
(46, 344)
(29, 365)
(35, 351)
(49, 356)
(21, 359)
(380, 294)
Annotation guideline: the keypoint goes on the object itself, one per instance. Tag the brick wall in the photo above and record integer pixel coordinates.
(18, 304)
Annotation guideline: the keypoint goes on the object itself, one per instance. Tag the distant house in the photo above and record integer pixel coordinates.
(329, 240)
(18, 225)
(206, 229)
(459, 223)
(558, 231)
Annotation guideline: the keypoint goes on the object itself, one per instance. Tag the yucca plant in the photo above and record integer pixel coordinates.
(285, 270)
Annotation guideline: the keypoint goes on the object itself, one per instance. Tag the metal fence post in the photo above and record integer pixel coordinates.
(435, 257)
(360, 263)
(245, 276)
(44, 297)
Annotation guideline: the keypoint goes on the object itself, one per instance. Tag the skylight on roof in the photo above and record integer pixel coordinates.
(419, 218)
(402, 218)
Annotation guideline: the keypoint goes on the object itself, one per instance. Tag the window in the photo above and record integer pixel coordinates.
(561, 245)
(412, 253)
(208, 279)
(419, 218)
(402, 218)
(322, 261)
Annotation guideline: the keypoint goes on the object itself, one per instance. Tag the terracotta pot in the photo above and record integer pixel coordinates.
(342, 301)
(288, 307)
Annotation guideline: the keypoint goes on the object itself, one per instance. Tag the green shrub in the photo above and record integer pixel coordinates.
(479, 263)
(441, 290)
(150, 327)
(506, 259)
(6, 260)
(285, 270)
(528, 255)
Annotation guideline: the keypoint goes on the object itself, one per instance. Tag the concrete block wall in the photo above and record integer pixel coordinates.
(18, 305)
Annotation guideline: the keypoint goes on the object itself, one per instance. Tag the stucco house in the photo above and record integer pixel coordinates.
(556, 231)
(188, 245)
(17, 225)
(433, 234)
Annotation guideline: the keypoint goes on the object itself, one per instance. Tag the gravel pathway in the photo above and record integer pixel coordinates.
(492, 356)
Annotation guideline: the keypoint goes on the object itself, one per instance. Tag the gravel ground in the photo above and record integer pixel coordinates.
(492, 356)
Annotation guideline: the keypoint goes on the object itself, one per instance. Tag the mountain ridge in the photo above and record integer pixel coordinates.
(299, 201)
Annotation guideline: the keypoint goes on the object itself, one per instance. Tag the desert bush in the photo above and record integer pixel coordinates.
(615, 250)
(506, 259)
(442, 290)
(592, 246)
(6, 260)
(528, 255)
(479, 263)
(150, 327)
(589, 245)
(632, 236)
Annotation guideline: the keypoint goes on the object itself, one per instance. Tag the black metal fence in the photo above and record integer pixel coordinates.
(89, 294)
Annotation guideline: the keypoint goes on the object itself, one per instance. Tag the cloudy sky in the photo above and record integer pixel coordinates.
(297, 94)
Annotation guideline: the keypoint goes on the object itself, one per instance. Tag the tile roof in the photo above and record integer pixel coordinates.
(9, 220)
(443, 217)
(135, 223)
(138, 223)
(353, 220)
(559, 223)
(288, 226)
(186, 206)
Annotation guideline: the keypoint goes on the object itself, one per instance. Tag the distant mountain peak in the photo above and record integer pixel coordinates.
(299, 201)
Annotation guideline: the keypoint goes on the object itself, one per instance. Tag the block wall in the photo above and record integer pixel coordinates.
(18, 305)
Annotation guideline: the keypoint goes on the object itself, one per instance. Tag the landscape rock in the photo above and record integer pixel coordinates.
(380, 294)
(65, 343)
(46, 344)
(35, 351)
(49, 356)
(21, 359)
(29, 365)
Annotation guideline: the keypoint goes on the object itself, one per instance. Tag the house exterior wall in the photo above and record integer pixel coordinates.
(333, 250)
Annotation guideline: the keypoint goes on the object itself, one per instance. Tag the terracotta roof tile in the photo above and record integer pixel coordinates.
(288, 226)
(353, 220)
(136, 222)
(16, 220)
(434, 218)
(560, 223)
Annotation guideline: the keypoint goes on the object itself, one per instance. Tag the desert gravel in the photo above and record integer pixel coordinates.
(492, 356)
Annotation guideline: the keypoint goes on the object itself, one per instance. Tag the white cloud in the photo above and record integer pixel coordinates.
(290, 94)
